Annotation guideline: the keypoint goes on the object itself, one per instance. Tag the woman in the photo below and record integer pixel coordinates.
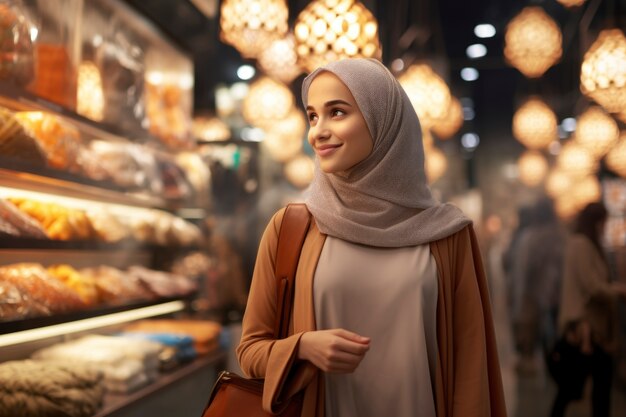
(588, 312)
(391, 314)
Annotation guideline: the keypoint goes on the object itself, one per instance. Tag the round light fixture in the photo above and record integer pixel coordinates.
(532, 167)
(535, 124)
(428, 93)
(533, 42)
(603, 71)
(329, 30)
(576, 161)
(267, 102)
(300, 171)
(435, 163)
(280, 60)
(251, 25)
(452, 121)
(596, 131)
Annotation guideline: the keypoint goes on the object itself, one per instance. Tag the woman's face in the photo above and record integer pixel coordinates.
(338, 132)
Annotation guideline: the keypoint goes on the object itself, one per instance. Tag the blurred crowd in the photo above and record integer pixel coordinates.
(563, 298)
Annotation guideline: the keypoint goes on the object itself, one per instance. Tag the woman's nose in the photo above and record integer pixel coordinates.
(319, 131)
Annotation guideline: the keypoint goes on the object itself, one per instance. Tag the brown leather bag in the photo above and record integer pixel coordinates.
(233, 395)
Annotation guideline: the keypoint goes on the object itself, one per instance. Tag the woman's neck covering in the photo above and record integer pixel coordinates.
(384, 200)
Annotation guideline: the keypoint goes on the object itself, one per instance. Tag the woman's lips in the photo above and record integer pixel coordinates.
(327, 150)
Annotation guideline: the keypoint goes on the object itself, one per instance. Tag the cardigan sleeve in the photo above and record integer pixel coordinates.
(260, 355)
(477, 382)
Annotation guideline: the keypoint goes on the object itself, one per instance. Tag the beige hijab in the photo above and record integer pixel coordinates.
(385, 199)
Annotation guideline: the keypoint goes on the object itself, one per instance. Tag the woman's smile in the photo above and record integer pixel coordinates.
(326, 150)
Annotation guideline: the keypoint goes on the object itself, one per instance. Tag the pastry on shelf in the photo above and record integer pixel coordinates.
(168, 120)
(143, 228)
(81, 226)
(60, 223)
(175, 183)
(196, 170)
(85, 286)
(16, 143)
(185, 233)
(16, 304)
(60, 140)
(26, 226)
(115, 287)
(47, 294)
(107, 227)
(119, 163)
(195, 264)
(90, 164)
(162, 284)
(7, 229)
(147, 160)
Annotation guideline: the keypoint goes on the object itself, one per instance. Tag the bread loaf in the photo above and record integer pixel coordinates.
(16, 143)
(26, 226)
(33, 280)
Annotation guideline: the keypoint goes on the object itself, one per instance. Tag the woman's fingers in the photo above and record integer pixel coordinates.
(342, 362)
(349, 346)
(335, 350)
(351, 336)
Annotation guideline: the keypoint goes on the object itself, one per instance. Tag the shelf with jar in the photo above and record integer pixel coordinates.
(98, 169)
(95, 106)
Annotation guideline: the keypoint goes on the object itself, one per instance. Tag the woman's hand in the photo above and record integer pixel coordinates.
(335, 350)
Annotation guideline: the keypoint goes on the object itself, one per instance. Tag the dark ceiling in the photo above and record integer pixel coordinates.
(438, 30)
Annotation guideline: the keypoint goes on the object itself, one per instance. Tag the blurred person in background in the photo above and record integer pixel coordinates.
(588, 314)
(537, 272)
(510, 264)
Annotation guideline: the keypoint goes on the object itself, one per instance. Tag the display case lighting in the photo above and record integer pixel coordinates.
(90, 323)
(128, 211)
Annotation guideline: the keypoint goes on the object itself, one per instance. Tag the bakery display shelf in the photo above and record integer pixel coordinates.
(90, 318)
(31, 244)
(15, 174)
(19, 99)
(13, 164)
(114, 403)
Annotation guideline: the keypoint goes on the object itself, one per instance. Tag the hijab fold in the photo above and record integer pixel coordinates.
(384, 200)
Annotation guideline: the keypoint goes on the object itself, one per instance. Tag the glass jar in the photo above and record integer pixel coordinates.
(56, 52)
(17, 63)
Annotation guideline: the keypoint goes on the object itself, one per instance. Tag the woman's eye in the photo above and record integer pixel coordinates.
(337, 112)
(312, 117)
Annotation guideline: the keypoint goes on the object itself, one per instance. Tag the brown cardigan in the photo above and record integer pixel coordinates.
(467, 382)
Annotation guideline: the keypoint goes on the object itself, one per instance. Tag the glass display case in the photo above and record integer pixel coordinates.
(104, 61)
(95, 169)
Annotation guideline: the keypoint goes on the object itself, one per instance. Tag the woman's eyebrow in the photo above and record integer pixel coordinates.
(335, 102)
(331, 103)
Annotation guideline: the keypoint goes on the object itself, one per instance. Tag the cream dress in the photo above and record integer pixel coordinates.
(389, 295)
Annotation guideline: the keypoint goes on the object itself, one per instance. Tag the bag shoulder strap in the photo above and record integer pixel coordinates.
(293, 230)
